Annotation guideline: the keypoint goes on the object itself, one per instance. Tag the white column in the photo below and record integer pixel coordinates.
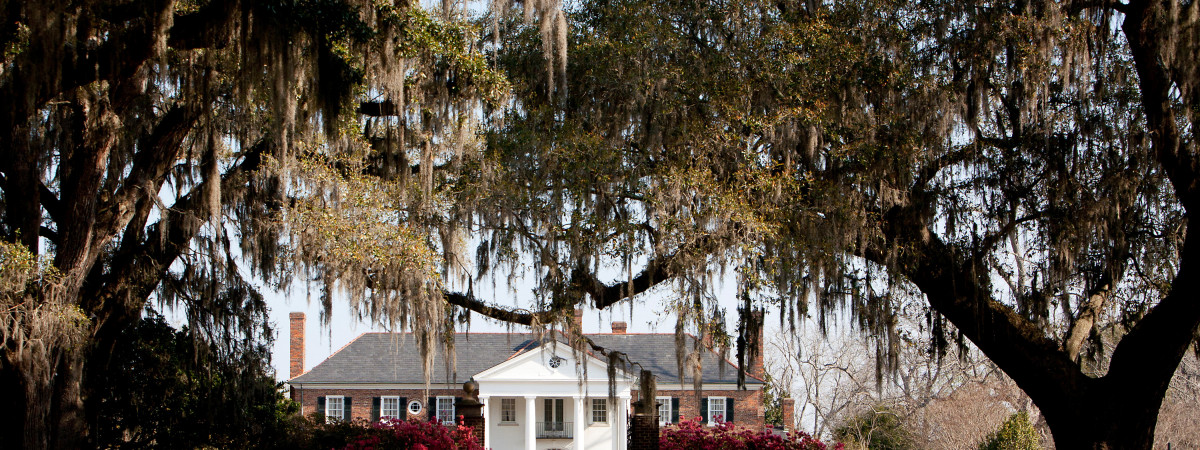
(619, 425)
(487, 421)
(579, 422)
(530, 423)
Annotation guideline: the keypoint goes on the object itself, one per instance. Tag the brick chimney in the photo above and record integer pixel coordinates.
(619, 327)
(789, 414)
(579, 319)
(297, 344)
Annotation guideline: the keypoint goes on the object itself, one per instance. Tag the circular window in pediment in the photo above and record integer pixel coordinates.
(414, 407)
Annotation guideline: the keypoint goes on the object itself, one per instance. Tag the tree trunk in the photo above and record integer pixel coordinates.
(1104, 418)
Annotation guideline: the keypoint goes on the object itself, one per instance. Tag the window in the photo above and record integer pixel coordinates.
(664, 410)
(414, 407)
(553, 414)
(389, 407)
(716, 410)
(334, 408)
(508, 410)
(445, 410)
(599, 410)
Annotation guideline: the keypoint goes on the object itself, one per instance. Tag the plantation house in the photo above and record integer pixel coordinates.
(537, 394)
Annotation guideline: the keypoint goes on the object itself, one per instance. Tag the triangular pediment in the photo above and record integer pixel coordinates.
(552, 363)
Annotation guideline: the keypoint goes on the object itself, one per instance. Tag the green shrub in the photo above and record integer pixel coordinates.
(1016, 433)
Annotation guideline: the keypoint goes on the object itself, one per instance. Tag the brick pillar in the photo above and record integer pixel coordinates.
(470, 410)
(789, 414)
(643, 432)
(297, 344)
(619, 327)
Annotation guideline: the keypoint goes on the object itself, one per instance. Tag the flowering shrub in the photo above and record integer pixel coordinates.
(413, 434)
(695, 435)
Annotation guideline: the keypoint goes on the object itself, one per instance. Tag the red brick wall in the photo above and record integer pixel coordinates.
(747, 406)
(789, 414)
(643, 432)
(360, 406)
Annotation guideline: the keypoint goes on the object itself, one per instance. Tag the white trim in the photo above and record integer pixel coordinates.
(501, 420)
(667, 402)
(359, 386)
(591, 411)
(724, 409)
(400, 409)
(341, 408)
(711, 387)
(437, 409)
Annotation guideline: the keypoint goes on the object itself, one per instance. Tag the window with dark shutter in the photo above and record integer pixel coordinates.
(664, 410)
(375, 406)
(321, 406)
(729, 409)
(704, 409)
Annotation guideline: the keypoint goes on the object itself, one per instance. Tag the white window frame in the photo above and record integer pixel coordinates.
(714, 412)
(395, 412)
(508, 410)
(341, 408)
(602, 404)
(664, 402)
(414, 407)
(445, 410)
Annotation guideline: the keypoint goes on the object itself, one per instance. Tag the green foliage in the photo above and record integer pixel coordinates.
(772, 399)
(877, 429)
(167, 388)
(1016, 433)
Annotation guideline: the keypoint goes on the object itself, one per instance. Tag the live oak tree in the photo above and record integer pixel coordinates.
(1026, 167)
(151, 148)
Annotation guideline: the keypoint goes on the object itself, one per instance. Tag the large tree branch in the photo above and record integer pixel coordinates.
(208, 27)
(138, 265)
(517, 316)
(1143, 26)
(157, 153)
(1146, 358)
(603, 295)
(959, 290)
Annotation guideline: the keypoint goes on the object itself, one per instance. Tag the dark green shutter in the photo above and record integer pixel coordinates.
(346, 411)
(431, 409)
(403, 409)
(321, 406)
(454, 414)
(674, 409)
(729, 409)
(376, 405)
(704, 409)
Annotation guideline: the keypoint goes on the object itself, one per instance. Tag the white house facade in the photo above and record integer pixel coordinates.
(537, 394)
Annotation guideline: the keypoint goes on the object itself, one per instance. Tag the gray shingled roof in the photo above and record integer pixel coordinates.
(393, 358)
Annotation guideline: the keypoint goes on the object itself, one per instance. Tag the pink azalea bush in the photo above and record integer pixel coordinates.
(414, 435)
(695, 435)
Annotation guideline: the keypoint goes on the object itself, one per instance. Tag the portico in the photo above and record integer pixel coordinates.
(541, 399)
